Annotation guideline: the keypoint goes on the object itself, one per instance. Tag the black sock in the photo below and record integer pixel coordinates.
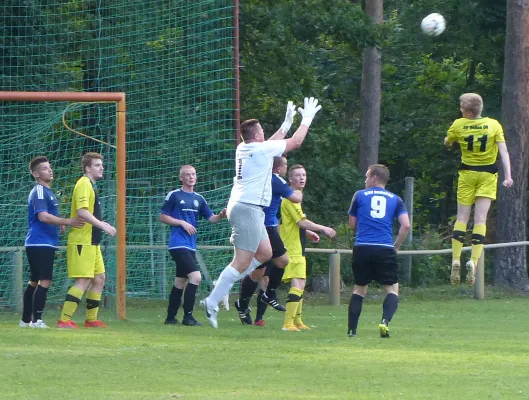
(27, 309)
(248, 287)
(355, 309)
(389, 308)
(39, 301)
(261, 306)
(189, 298)
(274, 279)
(175, 299)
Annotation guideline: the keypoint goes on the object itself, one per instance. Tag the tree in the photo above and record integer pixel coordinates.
(511, 262)
(370, 94)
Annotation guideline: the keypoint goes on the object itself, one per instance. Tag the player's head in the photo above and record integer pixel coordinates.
(297, 176)
(471, 104)
(41, 170)
(377, 175)
(188, 176)
(280, 166)
(252, 131)
(92, 164)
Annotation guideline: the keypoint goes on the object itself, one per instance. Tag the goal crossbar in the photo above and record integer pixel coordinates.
(99, 97)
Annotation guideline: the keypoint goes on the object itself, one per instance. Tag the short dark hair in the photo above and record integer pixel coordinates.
(295, 166)
(248, 129)
(380, 171)
(279, 161)
(86, 161)
(36, 161)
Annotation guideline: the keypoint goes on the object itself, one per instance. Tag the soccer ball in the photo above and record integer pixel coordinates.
(433, 24)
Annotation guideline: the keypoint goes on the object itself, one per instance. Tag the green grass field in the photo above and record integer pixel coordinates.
(449, 348)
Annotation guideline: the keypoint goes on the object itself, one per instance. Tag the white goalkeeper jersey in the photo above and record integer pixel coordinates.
(253, 171)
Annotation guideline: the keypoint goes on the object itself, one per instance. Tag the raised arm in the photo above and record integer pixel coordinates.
(287, 123)
(310, 109)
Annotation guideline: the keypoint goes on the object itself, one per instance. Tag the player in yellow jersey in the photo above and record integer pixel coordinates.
(83, 257)
(293, 229)
(480, 139)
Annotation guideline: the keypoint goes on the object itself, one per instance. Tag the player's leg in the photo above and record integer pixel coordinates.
(252, 248)
(362, 278)
(295, 273)
(276, 268)
(47, 258)
(485, 193)
(80, 260)
(387, 270)
(248, 286)
(261, 305)
(466, 190)
(175, 297)
(29, 291)
(93, 296)
(194, 277)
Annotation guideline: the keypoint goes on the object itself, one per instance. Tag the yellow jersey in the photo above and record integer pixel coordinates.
(292, 235)
(478, 139)
(85, 196)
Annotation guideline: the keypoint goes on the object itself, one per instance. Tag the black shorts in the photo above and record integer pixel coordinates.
(185, 260)
(41, 259)
(278, 248)
(375, 263)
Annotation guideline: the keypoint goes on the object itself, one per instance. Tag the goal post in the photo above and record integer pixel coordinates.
(120, 149)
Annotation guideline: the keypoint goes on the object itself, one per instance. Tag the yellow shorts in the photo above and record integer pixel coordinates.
(296, 268)
(84, 260)
(472, 184)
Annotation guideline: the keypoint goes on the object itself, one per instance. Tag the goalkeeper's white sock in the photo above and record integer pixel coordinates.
(224, 284)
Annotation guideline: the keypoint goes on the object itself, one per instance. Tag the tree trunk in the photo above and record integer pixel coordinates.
(511, 263)
(370, 94)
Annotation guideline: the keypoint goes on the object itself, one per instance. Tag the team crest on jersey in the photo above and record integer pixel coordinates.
(195, 203)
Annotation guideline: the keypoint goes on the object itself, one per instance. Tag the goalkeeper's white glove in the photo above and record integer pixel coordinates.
(309, 110)
(289, 117)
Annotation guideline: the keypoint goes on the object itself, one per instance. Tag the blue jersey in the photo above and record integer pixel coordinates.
(188, 207)
(42, 199)
(375, 209)
(280, 190)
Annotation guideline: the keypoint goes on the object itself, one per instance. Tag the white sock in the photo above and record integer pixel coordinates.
(226, 280)
(253, 265)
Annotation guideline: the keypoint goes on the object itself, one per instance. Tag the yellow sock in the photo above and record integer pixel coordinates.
(297, 318)
(73, 298)
(93, 299)
(458, 239)
(294, 296)
(478, 239)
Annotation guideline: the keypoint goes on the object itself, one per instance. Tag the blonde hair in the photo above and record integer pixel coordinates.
(471, 102)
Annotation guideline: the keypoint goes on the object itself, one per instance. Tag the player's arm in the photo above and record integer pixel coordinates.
(404, 221)
(214, 219)
(167, 219)
(310, 109)
(287, 123)
(88, 217)
(311, 226)
(451, 136)
(296, 196)
(353, 220)
(313, 236)
(53, 220)
(506, 163)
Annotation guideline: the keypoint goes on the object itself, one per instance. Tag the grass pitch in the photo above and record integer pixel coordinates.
(449, 348)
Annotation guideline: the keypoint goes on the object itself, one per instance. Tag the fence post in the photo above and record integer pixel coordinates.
(15, 299)
(335, 279)
(479, 284)
(408, 200)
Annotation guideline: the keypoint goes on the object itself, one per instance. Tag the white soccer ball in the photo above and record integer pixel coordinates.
(433, 24)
